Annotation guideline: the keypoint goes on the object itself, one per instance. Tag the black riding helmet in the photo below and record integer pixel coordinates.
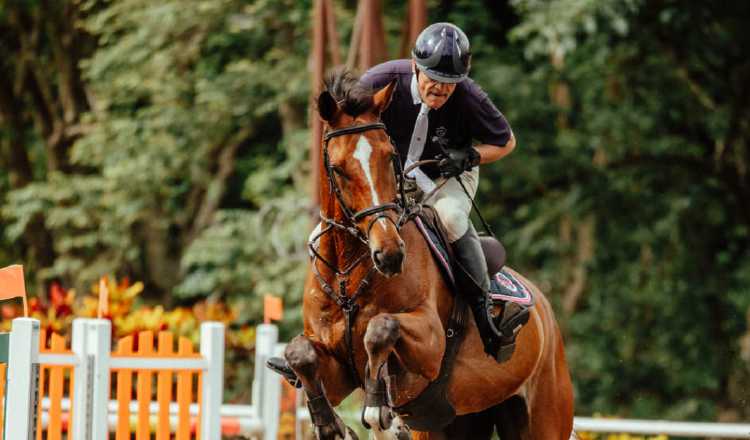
(443, 53)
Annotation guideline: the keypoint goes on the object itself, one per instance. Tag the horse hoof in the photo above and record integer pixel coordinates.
(335, 431)
(403, 435)
(399, 429)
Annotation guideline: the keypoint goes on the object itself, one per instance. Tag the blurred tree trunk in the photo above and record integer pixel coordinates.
(16, 160)
(42, 95)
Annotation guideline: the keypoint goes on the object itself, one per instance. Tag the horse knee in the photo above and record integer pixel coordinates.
(382, 332)
(301, 356)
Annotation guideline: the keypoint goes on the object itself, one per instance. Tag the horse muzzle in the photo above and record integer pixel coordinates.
(389, 262)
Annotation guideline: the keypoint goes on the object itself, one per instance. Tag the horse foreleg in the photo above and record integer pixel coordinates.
(303, 358)
(382, 333)
(417, 338)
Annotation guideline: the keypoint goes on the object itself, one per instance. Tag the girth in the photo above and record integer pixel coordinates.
(431, 410)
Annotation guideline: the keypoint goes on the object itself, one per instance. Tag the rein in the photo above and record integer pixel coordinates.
(348, 303)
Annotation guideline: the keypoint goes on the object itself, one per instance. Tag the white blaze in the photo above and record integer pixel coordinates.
(363, 154)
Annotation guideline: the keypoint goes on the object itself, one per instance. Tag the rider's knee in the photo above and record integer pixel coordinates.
(453, 217)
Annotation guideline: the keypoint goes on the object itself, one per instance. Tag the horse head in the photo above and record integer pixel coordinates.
(358, 161)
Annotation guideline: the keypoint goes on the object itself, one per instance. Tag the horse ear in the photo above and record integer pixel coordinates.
(382, 98)
(327, 107)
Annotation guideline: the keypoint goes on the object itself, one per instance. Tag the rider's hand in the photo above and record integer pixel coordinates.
(455, 162)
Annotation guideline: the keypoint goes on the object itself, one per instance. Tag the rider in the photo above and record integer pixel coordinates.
(436, 112)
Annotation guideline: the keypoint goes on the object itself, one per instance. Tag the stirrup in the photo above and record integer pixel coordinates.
(510, 321)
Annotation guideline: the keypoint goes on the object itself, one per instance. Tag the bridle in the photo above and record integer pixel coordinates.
(377, 211)
(347, 303)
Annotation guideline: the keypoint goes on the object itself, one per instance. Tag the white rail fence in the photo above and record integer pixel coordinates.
(665, 427)
(636, 426)
(94, 414)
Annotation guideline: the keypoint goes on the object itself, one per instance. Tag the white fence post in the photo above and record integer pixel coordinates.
(22, 390)
(266, 385)
(98, 348)
(212, 350)
(82, 403)
(91, 345)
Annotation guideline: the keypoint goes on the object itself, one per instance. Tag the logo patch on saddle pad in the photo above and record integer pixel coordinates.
(506, 287)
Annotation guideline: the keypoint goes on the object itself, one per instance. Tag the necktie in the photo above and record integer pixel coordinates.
(416, 147)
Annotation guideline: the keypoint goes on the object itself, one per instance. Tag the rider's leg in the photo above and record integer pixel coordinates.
(453, 207)
(468, 252)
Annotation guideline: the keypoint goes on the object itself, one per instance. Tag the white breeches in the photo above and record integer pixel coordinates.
(452, 205)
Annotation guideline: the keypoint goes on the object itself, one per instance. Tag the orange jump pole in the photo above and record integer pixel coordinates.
(184, 392)
(146, 349)
(124, 391)
(164, 387)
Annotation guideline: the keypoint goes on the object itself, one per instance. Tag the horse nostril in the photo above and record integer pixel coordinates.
(377, 257)
(398, 260)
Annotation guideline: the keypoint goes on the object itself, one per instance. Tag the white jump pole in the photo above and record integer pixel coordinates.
(82, 404)
(22, 389)
(212, 350)
(98, 348)
(266, 385)
(91, 346)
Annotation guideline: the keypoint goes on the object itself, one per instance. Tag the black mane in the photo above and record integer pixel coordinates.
(353, 98)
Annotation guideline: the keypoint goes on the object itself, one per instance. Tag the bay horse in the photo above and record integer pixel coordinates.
(376, 306)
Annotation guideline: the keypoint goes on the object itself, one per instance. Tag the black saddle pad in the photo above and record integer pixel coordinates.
(504, 286)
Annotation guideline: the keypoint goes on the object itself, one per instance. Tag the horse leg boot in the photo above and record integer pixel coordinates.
(382, 333)
(470, 258)
(303, 360)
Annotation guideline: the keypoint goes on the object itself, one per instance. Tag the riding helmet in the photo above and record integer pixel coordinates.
(443, 53)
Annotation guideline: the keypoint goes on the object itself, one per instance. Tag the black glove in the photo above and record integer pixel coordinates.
(455, 162)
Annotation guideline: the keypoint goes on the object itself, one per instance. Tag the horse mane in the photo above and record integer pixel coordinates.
(351, 96)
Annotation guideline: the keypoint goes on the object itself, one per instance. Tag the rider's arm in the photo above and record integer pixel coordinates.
(491, 153)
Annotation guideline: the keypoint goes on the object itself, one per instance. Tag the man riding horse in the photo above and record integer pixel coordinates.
(436, 112)
(384, 306)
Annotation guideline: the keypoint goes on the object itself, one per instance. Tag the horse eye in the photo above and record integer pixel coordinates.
(340, 171)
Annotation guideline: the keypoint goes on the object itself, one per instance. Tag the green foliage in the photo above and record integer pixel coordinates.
(620, 135)
(251, 253)
(182, 92)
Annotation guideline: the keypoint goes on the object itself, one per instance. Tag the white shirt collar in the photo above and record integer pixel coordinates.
(415, 90)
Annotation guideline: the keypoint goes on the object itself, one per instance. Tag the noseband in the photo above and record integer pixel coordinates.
(348, 303)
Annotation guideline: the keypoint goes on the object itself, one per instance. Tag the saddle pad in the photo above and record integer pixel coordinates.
(437, 247)
(506, 287)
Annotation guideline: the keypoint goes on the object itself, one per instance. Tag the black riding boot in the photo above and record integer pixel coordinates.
(470, 258)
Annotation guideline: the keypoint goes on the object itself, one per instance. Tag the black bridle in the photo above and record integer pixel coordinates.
(378, 211)
(348, 303)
